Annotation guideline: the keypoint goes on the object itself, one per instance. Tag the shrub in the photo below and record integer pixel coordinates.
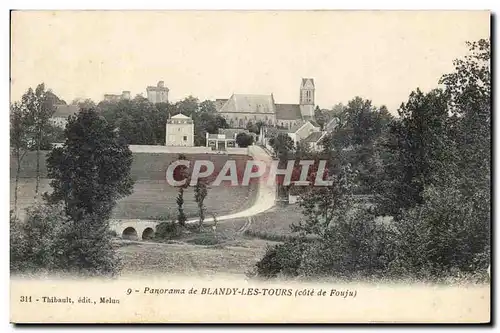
(34, 242)
(282, 259)
(446, 234)
(50, 241)
(167, 230)
(354, 245)
(86, 247)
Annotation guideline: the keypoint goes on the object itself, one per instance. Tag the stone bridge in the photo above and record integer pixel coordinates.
(134, 229)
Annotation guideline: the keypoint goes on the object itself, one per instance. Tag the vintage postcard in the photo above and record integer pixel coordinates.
(250, 167)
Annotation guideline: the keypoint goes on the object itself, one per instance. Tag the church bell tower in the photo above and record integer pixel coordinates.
(307, 98)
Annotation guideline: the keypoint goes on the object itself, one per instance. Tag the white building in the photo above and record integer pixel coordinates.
(179, 131)
(301, 131)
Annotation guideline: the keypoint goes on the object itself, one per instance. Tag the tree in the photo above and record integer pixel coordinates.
(139, 122)
(282, 145)
(200, 193)
(244, 139)
(253, 128)
(84, 103)
(91, 171)
(469, 88)
(323, 205)
(181, 174)
(415, 148)
(21, 139)
(320, 117)
(207, 121)
(361, 126)
(41, 105)
(189, 106)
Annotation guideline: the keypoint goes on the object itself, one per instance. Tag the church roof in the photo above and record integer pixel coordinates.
(219, 103)
(249, 104)
(296, 127)
(314, 137)
(288, 112)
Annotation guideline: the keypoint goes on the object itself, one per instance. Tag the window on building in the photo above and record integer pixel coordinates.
(185, 138)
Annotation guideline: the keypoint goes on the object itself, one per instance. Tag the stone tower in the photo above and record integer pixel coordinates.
(307, 98)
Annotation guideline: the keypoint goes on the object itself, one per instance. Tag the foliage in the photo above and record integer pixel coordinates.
(415, 148)
(255, 127)
(91, 171)
(167, 230)
(282, 145)
(321, 117)
(323, 205)
(283, 259)
(200, 193)
(86, 246)
(442, 235)
(244, 139)
(49, 240)
(359, 126)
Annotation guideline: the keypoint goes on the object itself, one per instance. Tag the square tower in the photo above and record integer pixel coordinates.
(307, 98)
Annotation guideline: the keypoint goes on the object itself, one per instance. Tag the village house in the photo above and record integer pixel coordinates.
(179, 131)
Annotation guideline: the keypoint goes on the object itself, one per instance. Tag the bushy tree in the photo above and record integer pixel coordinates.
(34, 242)
(91, 170)
(244, 139)
(415, 148)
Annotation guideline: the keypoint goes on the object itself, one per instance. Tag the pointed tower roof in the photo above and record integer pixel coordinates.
(307, 83)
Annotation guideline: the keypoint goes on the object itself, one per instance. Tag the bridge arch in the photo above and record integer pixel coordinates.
(130, 233)
(148, 233)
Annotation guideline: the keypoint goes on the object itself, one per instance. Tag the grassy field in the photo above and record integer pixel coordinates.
(152, 197)
(276, 221)
(196, 253)
(188, 259)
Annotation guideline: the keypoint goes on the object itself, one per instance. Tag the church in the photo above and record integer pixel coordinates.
(241, 109)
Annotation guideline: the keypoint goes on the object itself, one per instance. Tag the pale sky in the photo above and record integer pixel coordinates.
(381, 56)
